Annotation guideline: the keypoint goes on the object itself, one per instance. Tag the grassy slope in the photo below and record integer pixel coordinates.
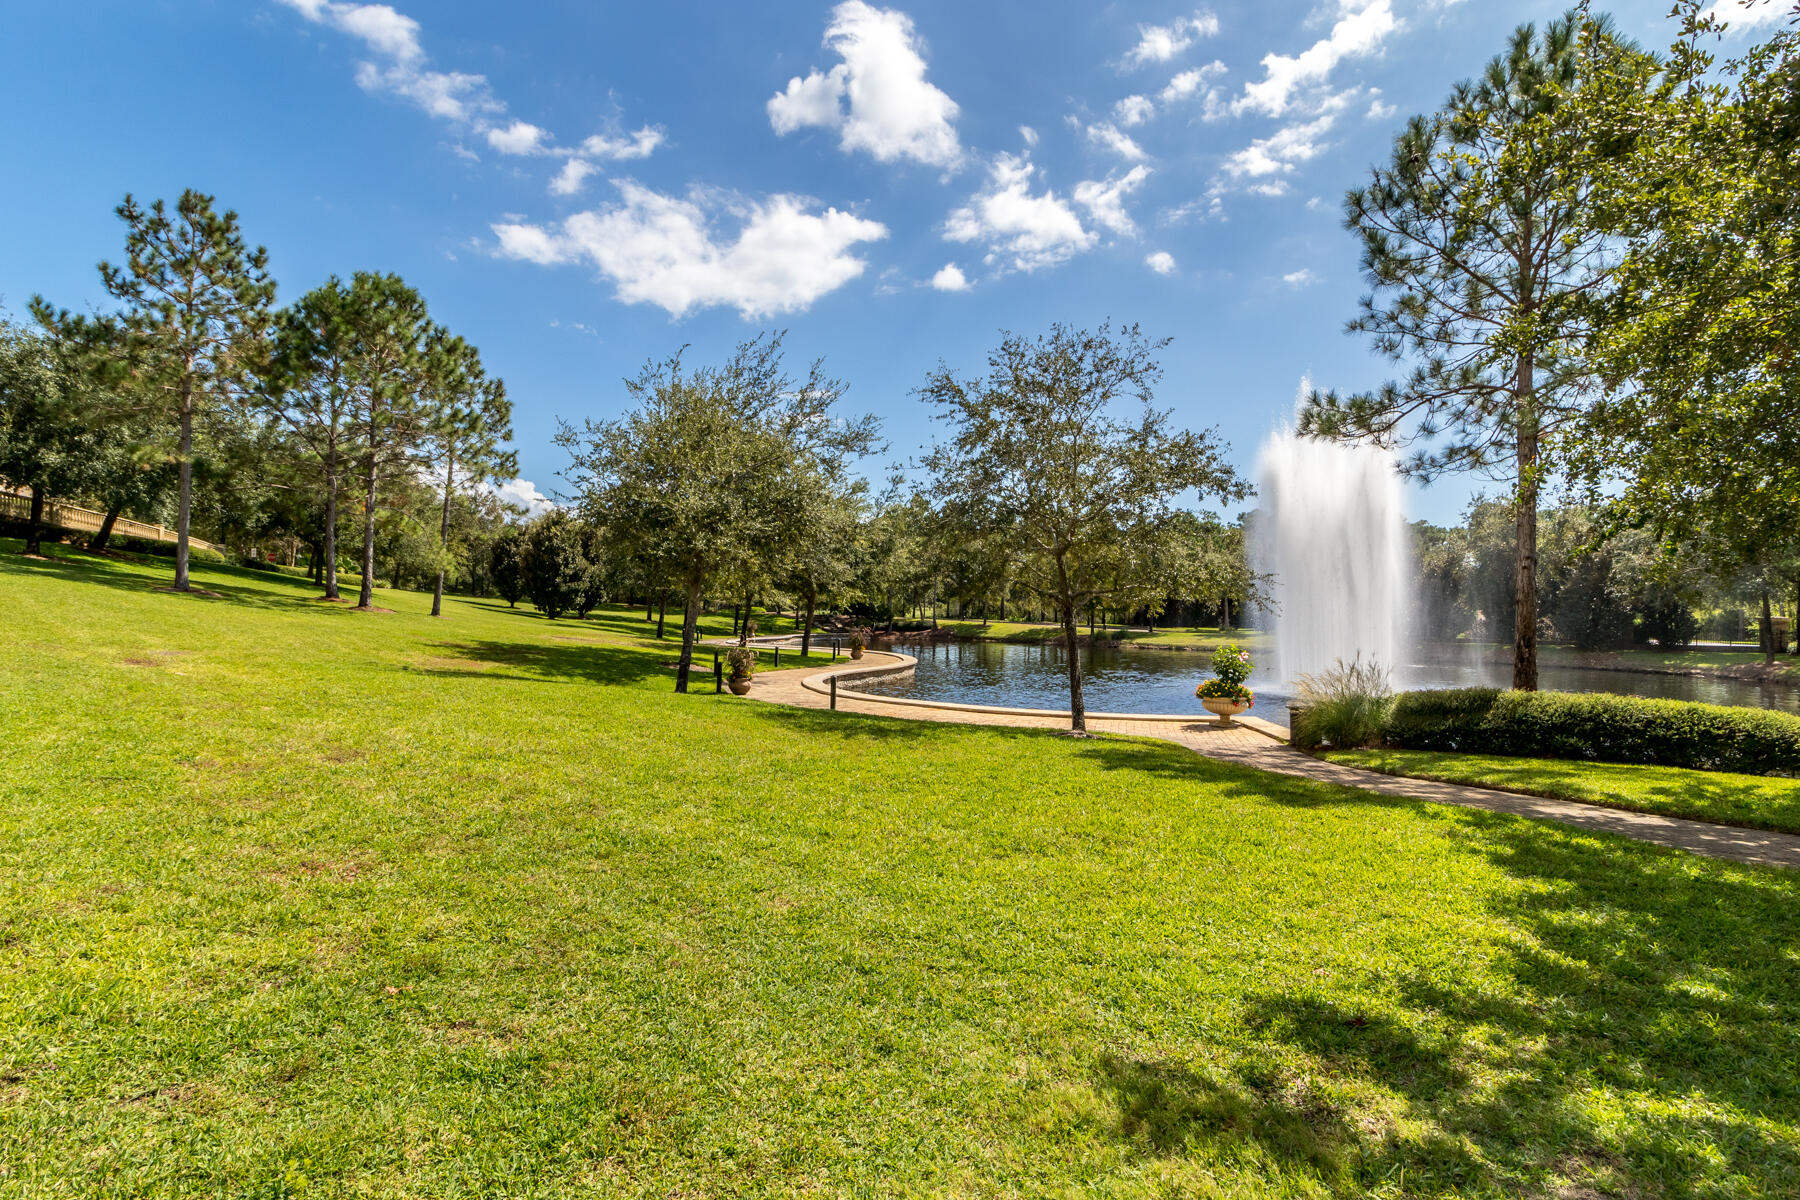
(295, 900)
(1757, 801)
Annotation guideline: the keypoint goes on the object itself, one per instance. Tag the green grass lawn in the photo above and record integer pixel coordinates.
(1757, 801)
(1651, 658)
(301, 901)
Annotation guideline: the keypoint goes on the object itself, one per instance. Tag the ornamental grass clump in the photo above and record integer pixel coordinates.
(1231, 665)
(743, 662)
(1343, 707)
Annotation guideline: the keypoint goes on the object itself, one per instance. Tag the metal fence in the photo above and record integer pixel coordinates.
(16, 506)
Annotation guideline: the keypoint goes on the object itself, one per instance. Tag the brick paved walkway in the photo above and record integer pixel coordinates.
(1244, 745)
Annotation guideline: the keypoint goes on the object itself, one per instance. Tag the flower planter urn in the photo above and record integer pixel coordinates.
(739, 685)
(856, 652)
(1222, 708)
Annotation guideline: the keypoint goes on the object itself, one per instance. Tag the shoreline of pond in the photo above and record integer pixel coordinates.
(1782, 672)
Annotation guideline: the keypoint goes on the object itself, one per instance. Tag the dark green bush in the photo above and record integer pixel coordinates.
(1602, 728)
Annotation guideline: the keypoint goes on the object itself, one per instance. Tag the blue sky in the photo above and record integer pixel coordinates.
(577, 187)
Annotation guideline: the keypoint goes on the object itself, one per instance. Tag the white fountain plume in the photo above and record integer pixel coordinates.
(1333, 536)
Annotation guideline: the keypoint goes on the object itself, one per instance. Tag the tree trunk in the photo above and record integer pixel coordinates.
(34, 524)
(437, 592)
(367, 595)
(328, 559)
(99, 540)
(1077, 707)
(806, 632)
(396, 573)
(690, 622)
(662, 609)
(1525, 645)
(184, 509)
(1768, 630)
(737, 614)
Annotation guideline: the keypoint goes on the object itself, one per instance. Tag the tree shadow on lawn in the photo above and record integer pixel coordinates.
(564, 662)
(1693, 793)
(67, 563)
(1637, 1031)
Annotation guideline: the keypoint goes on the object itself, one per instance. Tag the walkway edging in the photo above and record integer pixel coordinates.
(820, 682)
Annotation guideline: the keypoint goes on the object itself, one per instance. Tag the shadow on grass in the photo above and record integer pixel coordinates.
(1756, 803)
(1635, 1033)
(537, 661)
(143, 575)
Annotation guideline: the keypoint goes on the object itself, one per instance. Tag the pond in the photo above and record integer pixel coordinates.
(1162, 681)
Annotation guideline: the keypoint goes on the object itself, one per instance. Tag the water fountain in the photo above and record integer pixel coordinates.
(1333, 536)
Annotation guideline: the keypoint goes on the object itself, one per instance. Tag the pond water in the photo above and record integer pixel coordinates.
(1162, 681)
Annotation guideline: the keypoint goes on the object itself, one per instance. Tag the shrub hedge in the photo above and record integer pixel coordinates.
(1603, 728)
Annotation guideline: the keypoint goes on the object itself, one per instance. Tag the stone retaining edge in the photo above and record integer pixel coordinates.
(819, 683)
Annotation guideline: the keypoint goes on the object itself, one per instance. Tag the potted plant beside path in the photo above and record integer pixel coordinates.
(1224, 695)
(743, 668)
(858, 639)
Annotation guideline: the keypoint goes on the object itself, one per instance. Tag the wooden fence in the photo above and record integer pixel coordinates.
(16, 506)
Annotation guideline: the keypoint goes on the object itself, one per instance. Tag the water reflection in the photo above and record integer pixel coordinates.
(1163, 681)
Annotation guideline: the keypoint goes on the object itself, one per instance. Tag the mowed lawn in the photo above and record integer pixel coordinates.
(1754, 801)
(296, 901)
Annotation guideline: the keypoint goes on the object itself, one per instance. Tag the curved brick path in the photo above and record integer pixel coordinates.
(1243, 744)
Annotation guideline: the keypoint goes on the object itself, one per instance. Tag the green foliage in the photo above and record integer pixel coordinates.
(1344, 707)
(1605, 728)
(505, 564)
(1073, 491)
(553, 564)
(1698, 435)
(712, 472)
(742, 660)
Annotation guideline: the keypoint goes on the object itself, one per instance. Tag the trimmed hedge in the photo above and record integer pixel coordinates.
(1596, 726)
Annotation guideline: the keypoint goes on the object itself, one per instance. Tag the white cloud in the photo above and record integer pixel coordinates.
(1133, 110)
(1110, 137)
(1190, 81)
(1026, 230)
(877, 97)
(401, 69)
(1028, 135)
(1379, 111)
(950, 279)
(1136, 109)
(521, 137)
(524, 494)
(636, 145)
(1280, 151)
(394, 37)
(666, 250)
(1160, 261)
(1358, 31)
(1160, 43)
(1299, 279)
(1269, 187)
(1739, 17)
(1105, 199)
(573, 175)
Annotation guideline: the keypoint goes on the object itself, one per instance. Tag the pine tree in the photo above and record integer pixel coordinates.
(1476, 242)
(196, 308)
(469, 417)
